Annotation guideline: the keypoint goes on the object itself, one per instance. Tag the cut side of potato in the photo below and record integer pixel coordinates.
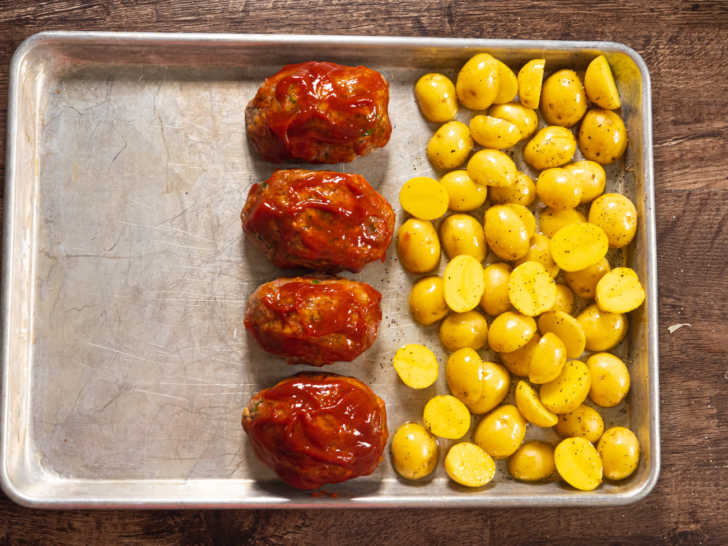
(600, 85)
(463, 283)
(577, 246)
(620, 291)
(531, 289)
(424, 198)
(447, 417)
(416, 366)
(569, 390)
(468, 465)
(531, 407)
(578, 463)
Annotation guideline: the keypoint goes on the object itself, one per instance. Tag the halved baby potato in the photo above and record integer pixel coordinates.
(416, 366)
(620, 291)
(577, 246)
(600, 86)
(447, 417)
(530, 80)
(531, 407)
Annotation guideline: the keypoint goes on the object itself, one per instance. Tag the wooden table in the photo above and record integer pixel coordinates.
(685, 45)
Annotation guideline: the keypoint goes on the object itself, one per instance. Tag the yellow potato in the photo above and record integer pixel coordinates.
(552, 220)
(600, 86)
(416, 366)
(463, 283)
(418, 246)
(463, 234)
(508, 84)
(450, 146)
(478, 82)
(531, 407)
(609, 379)
(552, 146)
(458, 330)
(620, 291)
(577, 246)
(569, 390)
(533, 462)
(435, 95)
(602, 330)
(518, 362)
(602, 136)
(531, 289)
(563, 100)
(524, 118)
(510, 331)
(522, 191)
(468, 465)
(492, 132)
(564, 299)
(566, 328)
(547, 360)
(414, 451)
(427, 300)
(530, 80)
(464, 194)
(501, 432)
(505, 233)
(539, 251)
(578, 463)
(492, 168)
(584, 281)
(591, 177)
(620, 453)
(447, 417)
(495, 290)
(464, 375)
(424, 198)
(495, 382)
(558, 189)
(617, 216)
(584, 422)
(526, 216)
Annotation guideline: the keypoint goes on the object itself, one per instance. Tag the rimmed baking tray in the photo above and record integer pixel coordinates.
(125, 361)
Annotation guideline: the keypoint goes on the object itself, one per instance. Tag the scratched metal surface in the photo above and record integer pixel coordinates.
(126, 272)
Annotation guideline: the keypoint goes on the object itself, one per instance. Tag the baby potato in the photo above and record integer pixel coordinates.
(552, 220)
(518, 362)
(464, 375)
(521, 192)
(505, 233)
(620, 291)
(478, 82)
(495, 291)
(577, 246)
(418, 246)
(591, 178)
(552, 146)
(617, 216)
(531, 289)
(578, 463)
(531, 407)
(584, 281)
(492, 168)
(424, 198)
(547, 360)
(602, 136)
(495, 382)
(600, 86)
(464, 194)
(558, 189)
(566, 328)
(602, 330)
(524, 118)
(435, 94)
(501, 432)
(620, 453)
(526, 216)
(468, 465)
(414, 451)
(540, 252)
(569, 390)
(450, 146)
(427, 301)
(463, 234)
(563, 100)
(492, 132)
(609, 379)
(463, 283)
(447, 417)
(530, 80)
(510, 331)
(416, 366)
(458, 330)
(508, 84)
(564, 299)
(584, 422)
(532, 462)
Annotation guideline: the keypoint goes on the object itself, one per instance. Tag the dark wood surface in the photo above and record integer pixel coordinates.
(685, 45)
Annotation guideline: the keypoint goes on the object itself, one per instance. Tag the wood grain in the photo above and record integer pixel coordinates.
(685, 45)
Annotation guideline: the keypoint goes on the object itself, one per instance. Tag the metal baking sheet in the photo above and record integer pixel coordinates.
(125, 361)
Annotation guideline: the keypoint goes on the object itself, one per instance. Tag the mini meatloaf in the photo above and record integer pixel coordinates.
(319, 113)
(314, 429)
(314, 321)
(320, 220)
